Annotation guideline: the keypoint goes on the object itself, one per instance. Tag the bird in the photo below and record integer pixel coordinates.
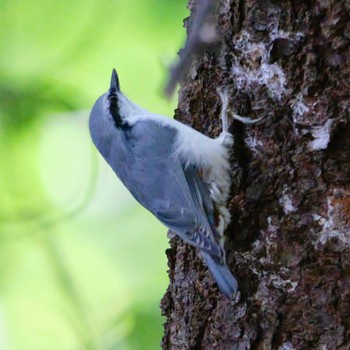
(177, 173)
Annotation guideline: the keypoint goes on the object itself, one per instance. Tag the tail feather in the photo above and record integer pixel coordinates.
(222, 275)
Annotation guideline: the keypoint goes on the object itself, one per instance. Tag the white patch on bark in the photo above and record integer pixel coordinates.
(286, 202)
(305, 121)
(299, 109)
(253, 144)
(278, 282)
(270, 226)
(331, 226)
(252, 67)
(287, 346)
(321, 135)
(270, 239)
(275, 33)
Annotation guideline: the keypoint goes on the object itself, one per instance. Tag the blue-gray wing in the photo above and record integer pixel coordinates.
(175, 194)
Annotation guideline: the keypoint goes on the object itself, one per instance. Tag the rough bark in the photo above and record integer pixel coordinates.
(289, 240)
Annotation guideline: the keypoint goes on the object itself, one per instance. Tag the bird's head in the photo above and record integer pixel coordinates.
(112, 107)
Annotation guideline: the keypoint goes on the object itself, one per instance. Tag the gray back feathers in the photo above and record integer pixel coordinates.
(142, 157)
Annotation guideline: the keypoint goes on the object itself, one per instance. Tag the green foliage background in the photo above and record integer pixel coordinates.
(82, 266)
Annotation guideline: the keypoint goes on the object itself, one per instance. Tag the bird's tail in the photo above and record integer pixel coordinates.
(222, 275)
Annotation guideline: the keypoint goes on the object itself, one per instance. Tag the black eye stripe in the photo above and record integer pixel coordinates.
(114, 110)
(112, 92)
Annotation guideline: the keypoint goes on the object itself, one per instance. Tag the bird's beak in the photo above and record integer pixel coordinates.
(114, 82)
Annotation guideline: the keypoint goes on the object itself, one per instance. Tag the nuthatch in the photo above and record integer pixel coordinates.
(174, 171)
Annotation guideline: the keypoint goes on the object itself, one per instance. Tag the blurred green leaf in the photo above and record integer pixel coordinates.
(82, 265)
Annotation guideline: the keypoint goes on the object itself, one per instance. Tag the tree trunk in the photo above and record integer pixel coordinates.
(289, 240)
